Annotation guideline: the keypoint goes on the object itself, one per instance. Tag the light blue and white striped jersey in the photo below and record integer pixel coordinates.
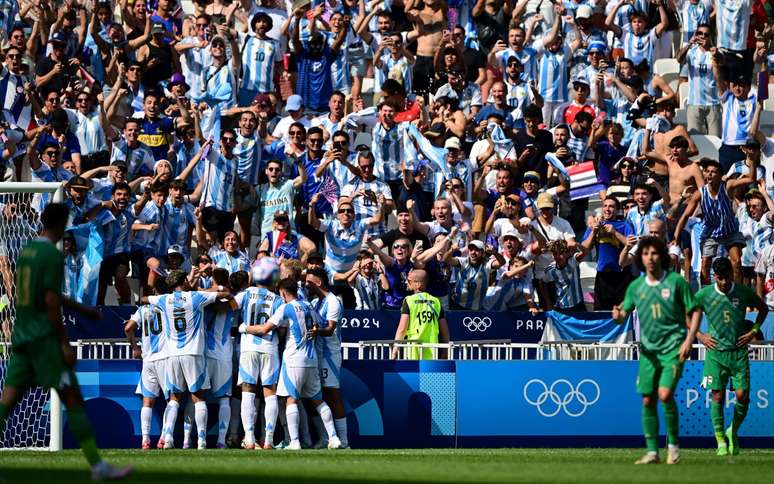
(341, 71)
(298, 317)
(640, 221)
(568, 283)
(151, 241)
(639, 47)
(518, 97)
(757, 235)
(693, 14)
(218, 86)
(469, 96)
(232, 263)
(387, 148)
(183, 155)
(184, 320)
(153, 340)
(737, 117)
(325, 122)
(12, 97)
(257, 304)
(248, 151)
(342, 244)
(621, 18)
(89, 132)
(365, 207)
(509, 294)
(330, 309)
(702, 86)
(527, 56)
(741, 168)
(218, 325)
(552, 78)
(139, 160)
(368, 293)
(194, 61)
(719, 218)
(220, 174)
(399, 69)
(116, 234)
(732, 19)
(179, 222)
(45, 174)
(273, 199)
(259, 57)
(472, 282)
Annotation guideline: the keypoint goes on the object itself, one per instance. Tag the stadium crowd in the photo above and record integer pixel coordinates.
(465, 137)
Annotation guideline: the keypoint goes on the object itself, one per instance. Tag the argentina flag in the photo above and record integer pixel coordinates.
(561, 328)
(89, 248)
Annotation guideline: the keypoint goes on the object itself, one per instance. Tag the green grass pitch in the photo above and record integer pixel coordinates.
(404, 466)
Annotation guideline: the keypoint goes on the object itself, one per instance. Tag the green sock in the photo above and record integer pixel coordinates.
(740, 412)
(672, 419)
(5, 411)
(81, 429)
(650, 427)
(716, 411)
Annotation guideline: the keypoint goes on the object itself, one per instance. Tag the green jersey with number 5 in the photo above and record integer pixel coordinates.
(661, 309)
(726, 313)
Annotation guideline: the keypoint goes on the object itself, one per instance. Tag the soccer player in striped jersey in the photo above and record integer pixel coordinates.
(152, 349)
(299, 375)
(260, 58)
(704, 113)
(639, 42)
(664, 304)
(327, 340)
(721, 227)
(186, 371)
(725, 304)
(259, 355)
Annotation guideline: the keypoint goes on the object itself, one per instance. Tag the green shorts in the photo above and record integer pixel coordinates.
(658, 370)
(720, 366)
(39, 363)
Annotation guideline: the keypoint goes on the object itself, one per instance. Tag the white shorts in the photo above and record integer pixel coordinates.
(255, 368)
(153, 379)
(299, 383)
(330, 369)
(187, 373)
(220, 374)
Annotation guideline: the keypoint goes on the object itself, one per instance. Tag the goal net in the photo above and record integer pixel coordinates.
(31, 422)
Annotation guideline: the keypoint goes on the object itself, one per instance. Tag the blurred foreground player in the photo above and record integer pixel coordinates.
(42, 355)
(663, 300)
(725, 304)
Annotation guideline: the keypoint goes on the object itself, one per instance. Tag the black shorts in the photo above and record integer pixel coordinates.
(214, 220)
(111, 263)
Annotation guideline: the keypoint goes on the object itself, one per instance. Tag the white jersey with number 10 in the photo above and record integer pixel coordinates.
(150, 319)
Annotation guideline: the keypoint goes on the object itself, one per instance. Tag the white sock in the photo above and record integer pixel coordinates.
(170, 419)
(235, 419)
(258, 417)
(145, 422)
(248, 416)
(341, 430)
(327, 417)
(291, 412)
(200, 409)
(224, 413)
(188, 422)
(303, 425)
(270, 415)
(673, 447)
(319, 427)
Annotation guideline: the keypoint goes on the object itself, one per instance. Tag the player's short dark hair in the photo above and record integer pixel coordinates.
(220, 276)
(158, 186)
(656, 243)
(314, 130)
(177, 184)
(55, 215)
(641, 186)
(278, 162)
(319, 273)
(615, 201)
(679, 142)
(338, 93)
(238, 280)
(584, 116)
(340, 134)
(288, 285)
(722, 267)
(533, 112)
(176, 279)
(120, 186)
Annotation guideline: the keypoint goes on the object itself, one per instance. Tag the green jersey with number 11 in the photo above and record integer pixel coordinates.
(661, 309)
(726, 312)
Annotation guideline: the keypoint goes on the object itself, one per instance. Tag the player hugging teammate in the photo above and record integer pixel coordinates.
(185, 346)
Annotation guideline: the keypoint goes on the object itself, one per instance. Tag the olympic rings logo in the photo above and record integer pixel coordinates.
(477, 324)
(562, 396)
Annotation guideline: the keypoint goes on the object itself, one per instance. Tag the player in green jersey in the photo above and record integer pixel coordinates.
(42, 355)
(725, 303)
(664, 305)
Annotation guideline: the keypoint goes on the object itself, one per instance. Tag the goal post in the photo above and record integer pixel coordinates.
(36, 422)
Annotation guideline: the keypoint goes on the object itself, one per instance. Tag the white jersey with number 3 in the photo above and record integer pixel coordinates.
(184, 320)
(298, 317)
(257, 304)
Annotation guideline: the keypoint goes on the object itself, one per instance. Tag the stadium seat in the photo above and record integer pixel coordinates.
(682, 94)
(363, 139)
(708, 145)
(669, 69)
(368, 85)
(681, 116)
(767, 120)
(768, 104)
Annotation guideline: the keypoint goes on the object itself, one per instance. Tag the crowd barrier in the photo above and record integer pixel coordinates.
(467, 404)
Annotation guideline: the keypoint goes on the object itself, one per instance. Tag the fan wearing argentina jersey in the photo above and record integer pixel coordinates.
(15, 88)
(704, 113)
(364, 191)
(739, 103)
(725, 304)
(129, 149)
(152, 349)
(665, 306)
(733, 23)
(387, 146)
(259, 355)
(393, 61)
(219, 352)
(693, 14)
(260, 57)
(299, 376)
(180, 220)
(327, 341)
(756, 222)
(186, 370)
(344, 235)
(721, 227)
(515, 48)
(220, 178)
(340, 68)
(150, 240)
(116, 235)
(231, 257)
(248, 150)
(639, 42)
(473, 274)
(332, 121)
(646, 210)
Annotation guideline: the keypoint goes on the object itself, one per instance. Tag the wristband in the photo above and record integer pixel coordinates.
(243, 328)
(756, 328)
(220, 288)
